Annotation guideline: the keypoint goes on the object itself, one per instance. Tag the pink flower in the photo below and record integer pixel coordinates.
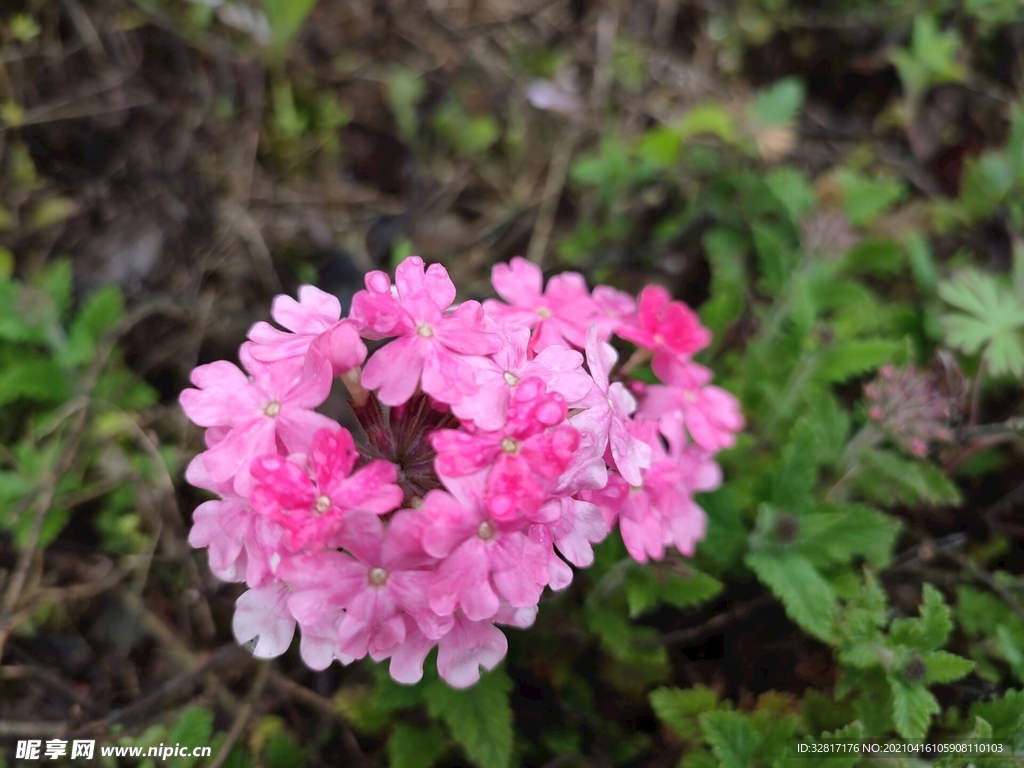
(532, 450)
(711, 415)
(431, 347)
(559, 315)
(310, 503)
(483, 559)
(314, 319)
(499, 375)
(387, 574)
(665, 326)
(608, 410)
(274, 404)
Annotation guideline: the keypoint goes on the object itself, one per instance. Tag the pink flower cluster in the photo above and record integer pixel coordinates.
(500, 443)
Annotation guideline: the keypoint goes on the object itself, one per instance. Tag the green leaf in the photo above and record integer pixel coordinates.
(779, 103)
(726, 250)
(793, 190)
(837, 532)
(39, 379)
(875, 257)
(679, 708)
(931, 629)
(100, 313)
(193, 726)
(684, 591)
(912, 709)
(991, 317)
(285, 17)
(809, 600)
(479, 717)
(944, 667)
(660, 146)
(1004, 714)
(931, 58)
(890, 479)
(776, 257)
(865, 198)
(855, 357)
(282, 751)
(707, 118)
(731, 737)
(411, 747)
(796, 473)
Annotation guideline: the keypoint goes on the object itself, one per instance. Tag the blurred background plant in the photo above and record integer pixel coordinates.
(836, 187)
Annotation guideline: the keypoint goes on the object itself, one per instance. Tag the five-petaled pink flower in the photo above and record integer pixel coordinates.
(432, 346)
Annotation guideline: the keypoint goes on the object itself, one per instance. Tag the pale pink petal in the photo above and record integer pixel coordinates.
(263, 613)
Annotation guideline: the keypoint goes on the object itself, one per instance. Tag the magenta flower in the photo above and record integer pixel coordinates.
(432, 347)
(560, 315)
(665, 326)
(315, 319)
(609, 407)
(499, 375)
(310, 502)
(523, 458)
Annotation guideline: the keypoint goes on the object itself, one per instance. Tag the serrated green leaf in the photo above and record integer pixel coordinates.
(808, 598)
(930, 630)
(1005, 714)
(912, 709)
(479, 717)
(835, 533)
(679, 708)
(854, 357)
(411, 747)
(889, 479)
(641, 591)
(795, 476)
(944, 667)
(776, 257)
(40, 379)
(731, 737)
